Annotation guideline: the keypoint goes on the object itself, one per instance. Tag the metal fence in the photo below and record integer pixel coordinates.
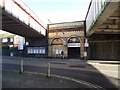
(20, 10)
(95, 9)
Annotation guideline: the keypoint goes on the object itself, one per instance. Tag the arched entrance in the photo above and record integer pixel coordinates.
(74, 47)
(56, 47)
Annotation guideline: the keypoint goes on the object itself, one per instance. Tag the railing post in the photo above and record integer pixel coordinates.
(3, 4)
(29, 19)
(40, 29)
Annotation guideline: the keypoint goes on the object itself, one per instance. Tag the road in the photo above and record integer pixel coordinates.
(95, 78)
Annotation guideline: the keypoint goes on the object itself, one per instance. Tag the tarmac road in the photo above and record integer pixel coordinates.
(88, 76)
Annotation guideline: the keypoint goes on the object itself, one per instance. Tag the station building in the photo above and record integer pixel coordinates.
(66, 37)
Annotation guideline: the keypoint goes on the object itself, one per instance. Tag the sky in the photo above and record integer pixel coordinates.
(58, 11)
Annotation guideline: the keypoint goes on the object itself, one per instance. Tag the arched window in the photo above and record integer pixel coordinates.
(57, 41)
(74, 40)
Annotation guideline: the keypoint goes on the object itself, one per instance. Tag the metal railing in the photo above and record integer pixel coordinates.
(95, 9)
(21, 11)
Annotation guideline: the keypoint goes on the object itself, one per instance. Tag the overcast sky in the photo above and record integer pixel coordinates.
(59, 10)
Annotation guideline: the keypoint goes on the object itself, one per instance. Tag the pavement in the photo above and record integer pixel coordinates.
(12, 79)
(109, 68)
(76, 69)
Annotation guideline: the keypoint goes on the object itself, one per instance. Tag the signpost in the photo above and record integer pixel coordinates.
(20, 43)
(86, 44)
(20, 48)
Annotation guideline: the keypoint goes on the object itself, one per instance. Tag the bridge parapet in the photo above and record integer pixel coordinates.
(102, 17)
(21, 11)
(95, 9)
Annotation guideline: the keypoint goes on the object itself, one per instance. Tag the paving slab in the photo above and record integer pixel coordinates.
(12, 79)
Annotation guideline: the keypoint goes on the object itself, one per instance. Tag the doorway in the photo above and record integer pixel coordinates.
(74, 52)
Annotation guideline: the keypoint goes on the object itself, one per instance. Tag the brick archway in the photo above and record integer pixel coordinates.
(57, 41)
(73, 36)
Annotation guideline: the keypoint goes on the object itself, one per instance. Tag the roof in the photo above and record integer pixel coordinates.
(7, 35)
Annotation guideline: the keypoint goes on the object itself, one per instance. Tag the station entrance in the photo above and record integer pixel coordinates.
(74, 52)
(74, 47)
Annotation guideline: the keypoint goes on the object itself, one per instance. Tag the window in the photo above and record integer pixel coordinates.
(5, 40)
(57, 41)
(43, 51)
(36, 50)
(74, 40)
(39, 50)
(29, 51)
(11, 39)
(27, 43)
(58, 51)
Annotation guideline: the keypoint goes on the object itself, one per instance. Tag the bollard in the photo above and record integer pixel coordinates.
(21, 67)
(48, 74)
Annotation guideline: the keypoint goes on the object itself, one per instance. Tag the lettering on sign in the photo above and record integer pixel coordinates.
(73, 44)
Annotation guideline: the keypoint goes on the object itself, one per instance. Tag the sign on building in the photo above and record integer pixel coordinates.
(86, 43)
(73, 44)
(21, 43)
